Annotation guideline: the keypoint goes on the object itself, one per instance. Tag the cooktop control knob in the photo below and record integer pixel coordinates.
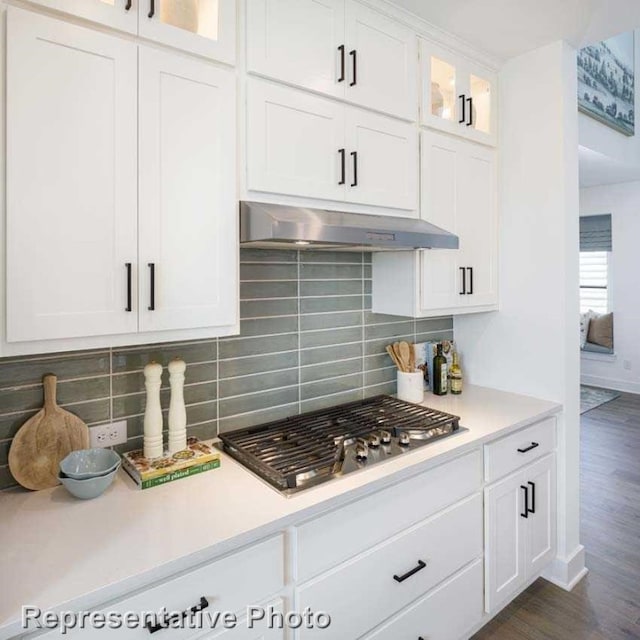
(403, 439)
(385, 437)
(374, 440)
(362, 450)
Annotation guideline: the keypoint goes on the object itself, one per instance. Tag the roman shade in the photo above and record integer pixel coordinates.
(595, 233)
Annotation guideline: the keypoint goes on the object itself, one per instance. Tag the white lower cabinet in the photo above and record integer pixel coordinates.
(262, 629)
(520, 529)
(366, 590)
(448, 612)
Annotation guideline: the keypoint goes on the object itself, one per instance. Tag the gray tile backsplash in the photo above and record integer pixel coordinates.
(308, 340)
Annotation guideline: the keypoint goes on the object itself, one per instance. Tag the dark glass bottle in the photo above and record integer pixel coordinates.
(440, 380)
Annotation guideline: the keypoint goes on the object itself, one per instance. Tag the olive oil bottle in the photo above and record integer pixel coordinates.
(440, 378)
(455, 375)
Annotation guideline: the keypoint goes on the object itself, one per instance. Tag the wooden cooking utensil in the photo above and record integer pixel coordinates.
(44, 440)
(405, 355)
(396, 349)
(412, 357)
(391, 352)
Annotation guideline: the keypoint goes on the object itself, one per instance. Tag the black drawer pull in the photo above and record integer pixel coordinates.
(525, 513)
(128, 268)
(421, 565)
(354, 155)
(463, 103)
(152, 8)
(342, 63)
(152, 628)
(464, 281)
(152, 287)
(533, 445)
(533, 497)
(343, 169)
(128, 5)
(470, 270)
(354, 67)
(470, 103)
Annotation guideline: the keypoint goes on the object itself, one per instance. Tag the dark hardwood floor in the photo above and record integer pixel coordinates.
(606, 604)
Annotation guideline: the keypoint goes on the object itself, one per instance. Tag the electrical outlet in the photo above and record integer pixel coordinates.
(107, 435)
(627, 365)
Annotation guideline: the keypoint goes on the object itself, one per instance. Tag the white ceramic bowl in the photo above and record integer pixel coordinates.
(89, 463)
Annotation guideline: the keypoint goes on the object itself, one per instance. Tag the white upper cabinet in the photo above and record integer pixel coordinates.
(341, 48)
(295, 142)
(188, 213)
(458, 96)
(119, 14)
(298, 41)
(305, 145)
(71, 180)
(381, 62)
(204, 27)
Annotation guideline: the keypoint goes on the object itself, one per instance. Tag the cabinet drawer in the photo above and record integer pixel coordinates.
(447, 613)
(365, 591)
(510, 453)
(229, 584)
(356, 527)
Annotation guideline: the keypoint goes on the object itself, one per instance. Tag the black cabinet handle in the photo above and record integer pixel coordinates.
(164, 624)
(128, 5)
(354, 155)
(463, 102)
(354, 67)
(470, 121)
(421, 565)
(342, 63)
(127, 266)
(525, 513)
(343, 169)
(470, 269)
(464, 281)
(152, 8)
(533, 497)
(533, 445)
(152, 286)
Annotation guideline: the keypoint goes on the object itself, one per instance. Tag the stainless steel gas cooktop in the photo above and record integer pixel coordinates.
(305, 450)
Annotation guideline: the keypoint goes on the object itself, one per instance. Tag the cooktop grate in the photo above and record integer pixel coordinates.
(310, 446)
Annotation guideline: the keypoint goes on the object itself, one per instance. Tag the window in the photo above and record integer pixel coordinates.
(594, 281)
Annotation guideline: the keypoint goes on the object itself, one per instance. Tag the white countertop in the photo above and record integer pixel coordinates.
(61, 553)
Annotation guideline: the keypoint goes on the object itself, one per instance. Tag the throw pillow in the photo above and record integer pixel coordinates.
(601, 330)
(584, 327)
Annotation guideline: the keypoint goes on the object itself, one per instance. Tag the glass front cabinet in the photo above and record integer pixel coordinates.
(458, 96)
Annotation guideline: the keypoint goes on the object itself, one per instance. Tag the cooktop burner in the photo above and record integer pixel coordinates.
(305, 450)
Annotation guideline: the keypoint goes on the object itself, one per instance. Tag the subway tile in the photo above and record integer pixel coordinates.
(268, 272)
(268, 255)
(424, 325)
(327, 304)
(330, 287)
(378, 361)
(330, 320)
(386, 388)
(132, 444)
(15, 373)
(4, 452)
(268, 326)
(380, 376)
(331, 353)
(434, 336)
(204, 431)
(367, 302)
(240, 347)
(257, 364)
(330, 370)
(367, 272)
(133, 382)
(257, 417)
(368, 287)
(137, 358)
(330, 271)
(373, 347)
(258, 382)
(377, 331)
(331, 386)
(6, 479)
(331, 401)
(92, 412)
(277, 289)
(326, 338)
(265, 308)
(331, 256)
(367, 257)
(256, 401)
(382, 318)
(9, 424)
(203, 412)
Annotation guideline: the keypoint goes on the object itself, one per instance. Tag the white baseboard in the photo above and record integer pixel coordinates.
(567, 572)
(610, 383)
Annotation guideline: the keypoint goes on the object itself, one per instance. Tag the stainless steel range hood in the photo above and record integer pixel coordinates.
(273, 226)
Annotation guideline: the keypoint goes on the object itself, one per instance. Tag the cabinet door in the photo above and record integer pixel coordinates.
(541, 534)
(382, 62)
(119, 14)
(505, 540)
(293, 142)
(441, 280)
(477, 224)
(261, 629)
(382, 163)
(188, 213)
(71, 180)
(298, 41)
(479, 87)
(205, 27)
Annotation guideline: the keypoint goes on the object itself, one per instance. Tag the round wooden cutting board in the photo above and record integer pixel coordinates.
(44, 440)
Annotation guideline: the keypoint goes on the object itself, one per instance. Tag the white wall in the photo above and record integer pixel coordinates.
(623, 202)
(531, 345)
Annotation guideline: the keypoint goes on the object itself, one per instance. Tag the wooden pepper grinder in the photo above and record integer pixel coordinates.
(177, 411)
(153, 412)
